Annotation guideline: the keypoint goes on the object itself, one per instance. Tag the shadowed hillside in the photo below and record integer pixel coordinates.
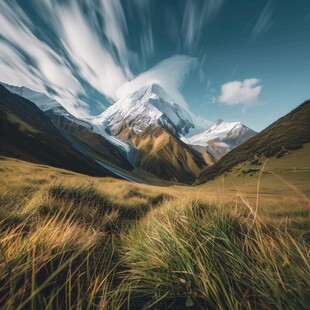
(287, 134)
(28, 134)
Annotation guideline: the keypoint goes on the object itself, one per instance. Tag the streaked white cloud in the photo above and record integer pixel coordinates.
(196, 15)
(28, 61)
(115, 27)
(87, 50)
(96, 65)
(13, 70)
(264, 21)
(147, 43)
(237, 92)
(170, 74)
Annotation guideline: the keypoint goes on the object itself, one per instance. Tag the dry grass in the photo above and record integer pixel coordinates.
(73, 242)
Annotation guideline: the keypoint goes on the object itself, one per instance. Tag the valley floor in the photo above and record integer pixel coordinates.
(69, 241)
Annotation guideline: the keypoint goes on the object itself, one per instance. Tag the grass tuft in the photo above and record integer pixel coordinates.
(178, 258)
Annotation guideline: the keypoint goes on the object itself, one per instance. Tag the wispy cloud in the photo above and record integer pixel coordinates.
(237, 92)
(264, 21)
(170, 74)
(28, 61)
(147, 43)
(72, 50)
(115, 27)
(141, 12)
(82, 52)
(196, 15)
(95, 63)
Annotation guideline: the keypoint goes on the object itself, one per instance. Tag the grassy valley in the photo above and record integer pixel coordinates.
(72, 241)
(238, 241)
(92, 241)
(154, 155)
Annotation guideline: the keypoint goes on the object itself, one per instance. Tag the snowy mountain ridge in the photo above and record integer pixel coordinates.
(52, 108)
(219, 129)
(46, 104)
(150, 106)
(221, 137)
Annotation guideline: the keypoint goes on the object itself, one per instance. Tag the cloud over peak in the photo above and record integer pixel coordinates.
(170, 74)
(241, 92)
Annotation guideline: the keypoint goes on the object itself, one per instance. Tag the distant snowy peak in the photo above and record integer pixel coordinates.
(220, 129)
(221, 125)
(48, 105)
(149, 106)
(232, 134)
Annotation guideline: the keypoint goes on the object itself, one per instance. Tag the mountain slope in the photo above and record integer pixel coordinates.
(28, 134)
(151, 122)
(285, 135)
(48, 105)
(165, 156)
(73, 128)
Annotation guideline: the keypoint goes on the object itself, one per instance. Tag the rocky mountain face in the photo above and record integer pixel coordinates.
(145, 131)
(221, 137)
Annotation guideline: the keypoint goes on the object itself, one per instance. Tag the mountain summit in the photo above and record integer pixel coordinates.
(221, 137)
(150, 106)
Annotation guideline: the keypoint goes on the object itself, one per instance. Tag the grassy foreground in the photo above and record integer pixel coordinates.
(69, 241)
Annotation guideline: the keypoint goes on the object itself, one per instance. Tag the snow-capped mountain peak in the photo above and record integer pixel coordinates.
(221, 137)
(149, 106)
(221, 125)
(157, 92)
(219, 130)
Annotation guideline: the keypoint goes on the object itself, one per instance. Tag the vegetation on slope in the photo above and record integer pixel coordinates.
(68, 241)
(164, 155)
(288, 133)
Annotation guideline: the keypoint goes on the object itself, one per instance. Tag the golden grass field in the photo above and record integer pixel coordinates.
(241, 241)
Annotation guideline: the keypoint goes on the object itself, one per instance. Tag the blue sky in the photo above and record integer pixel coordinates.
(241, 60)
